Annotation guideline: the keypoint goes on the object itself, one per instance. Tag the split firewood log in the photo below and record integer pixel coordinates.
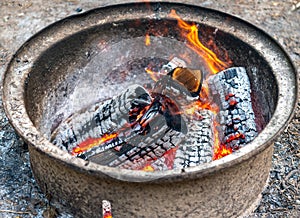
(125, 131)
(232, 92)
(198, 146)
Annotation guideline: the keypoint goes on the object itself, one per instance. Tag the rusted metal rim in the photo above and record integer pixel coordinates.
(17, 72)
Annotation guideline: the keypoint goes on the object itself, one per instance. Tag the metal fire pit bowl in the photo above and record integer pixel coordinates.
(84, 58)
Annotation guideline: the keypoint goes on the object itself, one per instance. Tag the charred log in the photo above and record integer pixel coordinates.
(141, 151)
(135, 129)
(231, 89)
(99, 119)
(198, 146)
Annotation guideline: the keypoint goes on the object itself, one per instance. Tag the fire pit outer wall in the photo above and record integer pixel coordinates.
(228, 187)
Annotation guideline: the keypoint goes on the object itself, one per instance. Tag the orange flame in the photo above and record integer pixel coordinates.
(190, 32)
(147, 40)
(221, 150)
(107, 215)
(92, 142)
(204, 102)
(215, 65)
(154, 75)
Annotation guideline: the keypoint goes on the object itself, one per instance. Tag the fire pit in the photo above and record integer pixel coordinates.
(95, 56)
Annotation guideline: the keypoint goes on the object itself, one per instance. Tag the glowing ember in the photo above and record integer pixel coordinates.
(148, 168)
(204, 102)
(190, 32)
(163, 163)
(169, 156)
(221, 151)
(92, 142)
(154, 75)
(107, 215)
(147, 40)
(218, 149)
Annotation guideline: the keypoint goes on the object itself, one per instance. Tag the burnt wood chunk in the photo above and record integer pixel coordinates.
(126, 131)
(98, 119)
(138, 149)
(198, 146)
(191, 79)
(231, 90)
(141, 150)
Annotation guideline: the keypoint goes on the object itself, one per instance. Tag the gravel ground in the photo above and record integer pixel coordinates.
(19, 194)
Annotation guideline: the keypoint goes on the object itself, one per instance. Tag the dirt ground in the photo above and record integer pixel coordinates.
(19, 194)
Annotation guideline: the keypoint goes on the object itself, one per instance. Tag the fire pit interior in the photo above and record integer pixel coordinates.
(77, 65)
(100, 63)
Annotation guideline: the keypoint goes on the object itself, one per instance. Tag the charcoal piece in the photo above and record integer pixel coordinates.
(231, 90)
(141, 149)
(98, 119)
(198, 146)
(126, 131)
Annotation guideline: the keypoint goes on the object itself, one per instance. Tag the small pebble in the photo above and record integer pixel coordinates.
(78, 10)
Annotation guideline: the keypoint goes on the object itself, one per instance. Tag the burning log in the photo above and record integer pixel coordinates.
(231, 89)
(141, 150)
(106, 209)
(198, 146)
(99, 120)
(126, 132)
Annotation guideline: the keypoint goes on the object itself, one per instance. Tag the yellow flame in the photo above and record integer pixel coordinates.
(191, 33)
(147, 40)
(148, 168)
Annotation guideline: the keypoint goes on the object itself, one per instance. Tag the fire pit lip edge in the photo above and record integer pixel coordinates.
(13, 82)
